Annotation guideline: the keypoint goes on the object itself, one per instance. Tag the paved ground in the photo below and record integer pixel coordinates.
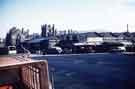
(92, 71)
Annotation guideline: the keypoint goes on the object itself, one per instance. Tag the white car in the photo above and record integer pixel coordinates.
(53, 50)
(58, 49)
(122, 48)
(118, 49)
(12, 50)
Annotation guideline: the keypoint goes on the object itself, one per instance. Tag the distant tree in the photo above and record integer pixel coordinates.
(8, 40)
(18, 40)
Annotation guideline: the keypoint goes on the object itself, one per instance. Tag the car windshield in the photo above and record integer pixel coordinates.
(12, 48)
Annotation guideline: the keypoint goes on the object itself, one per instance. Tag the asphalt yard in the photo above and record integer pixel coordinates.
(92, 71)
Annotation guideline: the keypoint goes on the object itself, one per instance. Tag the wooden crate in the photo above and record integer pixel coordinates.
(32, 74)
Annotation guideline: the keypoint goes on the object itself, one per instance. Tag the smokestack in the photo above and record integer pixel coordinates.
(53, 30)
(44, 30)
(22, 30)
(127, 29)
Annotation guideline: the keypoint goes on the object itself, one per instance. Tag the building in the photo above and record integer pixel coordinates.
(40, 44)
(106, 36)
(94, 37)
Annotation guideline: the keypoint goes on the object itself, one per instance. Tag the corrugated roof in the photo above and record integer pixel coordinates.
(41, 39)
(106, 34)
(90, 34)
(37, 40)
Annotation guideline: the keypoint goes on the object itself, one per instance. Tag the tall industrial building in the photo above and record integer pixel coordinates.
(48, 30)
(44, 30)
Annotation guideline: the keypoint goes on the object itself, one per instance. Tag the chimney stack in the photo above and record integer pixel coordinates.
(127, 29)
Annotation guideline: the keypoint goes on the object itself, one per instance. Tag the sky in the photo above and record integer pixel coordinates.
(79, 15)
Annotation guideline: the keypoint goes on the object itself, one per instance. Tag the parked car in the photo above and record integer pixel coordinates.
(53, 50)
(118, 49)
(12, 50)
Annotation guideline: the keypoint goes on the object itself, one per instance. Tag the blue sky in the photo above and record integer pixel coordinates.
(80, 15)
